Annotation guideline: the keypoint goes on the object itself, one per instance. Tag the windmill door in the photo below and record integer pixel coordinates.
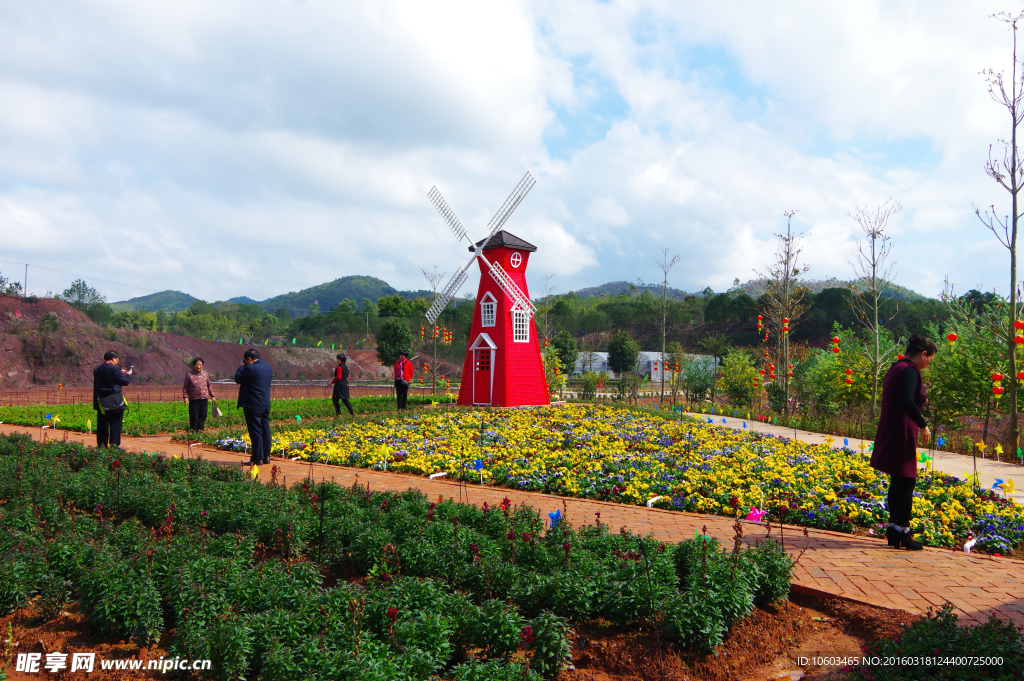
(483, 369)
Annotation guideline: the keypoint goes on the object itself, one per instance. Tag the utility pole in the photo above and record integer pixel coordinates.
(666, 264)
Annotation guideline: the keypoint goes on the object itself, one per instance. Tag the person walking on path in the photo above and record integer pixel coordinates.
(253, 377)
(197, 393)
(403, 376)
(340, 384)
(899, 425)
(107, 381)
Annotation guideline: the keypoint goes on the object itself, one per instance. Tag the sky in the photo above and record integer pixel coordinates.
(259, 147)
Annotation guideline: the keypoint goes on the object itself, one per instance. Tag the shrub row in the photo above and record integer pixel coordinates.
(238, 570)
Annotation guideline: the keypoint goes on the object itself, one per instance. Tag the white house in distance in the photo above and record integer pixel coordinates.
(598, 362)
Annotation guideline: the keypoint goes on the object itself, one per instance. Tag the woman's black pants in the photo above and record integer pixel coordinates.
(197, 410)
(900, 499)
(338, 401)
(402, 391)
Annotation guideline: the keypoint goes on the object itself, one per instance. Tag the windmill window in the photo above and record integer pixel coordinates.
(483, 360)
(520, 326)
(487, 313)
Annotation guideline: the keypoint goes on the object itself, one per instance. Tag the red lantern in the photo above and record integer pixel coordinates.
(790, 374)
(899, 356)
(422, 332)
(849, 372)
(849, 381)
(951, 338)
(760, 371)
(835, 350)
(1020, 375)
(785, 320)
(771, 376)
(835, 339)
(1019, 340)
(790, 366)
(1019, 325)
(997, 391)
(997, 376)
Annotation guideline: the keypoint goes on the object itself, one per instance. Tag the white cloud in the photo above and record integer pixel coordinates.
(261, 147)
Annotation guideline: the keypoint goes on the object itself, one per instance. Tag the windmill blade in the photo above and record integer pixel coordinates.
(450, 290)
(504, 281)
(517, 195)
(448, 214)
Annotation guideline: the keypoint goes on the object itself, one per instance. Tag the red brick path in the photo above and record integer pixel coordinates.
(830, 564)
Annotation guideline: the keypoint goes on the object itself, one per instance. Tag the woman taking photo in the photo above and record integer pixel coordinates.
(197, 394)
(899, 425)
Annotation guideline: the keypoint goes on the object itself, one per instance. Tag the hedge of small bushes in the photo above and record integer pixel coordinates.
(342, 583)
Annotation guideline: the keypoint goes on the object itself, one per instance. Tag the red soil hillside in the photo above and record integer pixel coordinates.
(33, 356)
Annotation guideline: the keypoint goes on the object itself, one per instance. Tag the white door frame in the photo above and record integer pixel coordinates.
(483, 341)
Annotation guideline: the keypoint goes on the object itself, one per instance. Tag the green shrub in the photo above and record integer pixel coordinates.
(939, 636)
(588, 385)
(547, 638)
(492, 670)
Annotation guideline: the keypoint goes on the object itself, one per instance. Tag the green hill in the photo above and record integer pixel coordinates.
(355, 288)
(755, 287)
(614, 288)
(168, 301)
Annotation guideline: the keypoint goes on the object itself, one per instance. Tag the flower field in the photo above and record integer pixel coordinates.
(615, 454)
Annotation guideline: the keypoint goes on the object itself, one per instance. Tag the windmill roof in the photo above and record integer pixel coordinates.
(502, 238)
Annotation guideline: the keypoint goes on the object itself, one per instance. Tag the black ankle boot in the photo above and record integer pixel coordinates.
(907, 541)
(893, 536)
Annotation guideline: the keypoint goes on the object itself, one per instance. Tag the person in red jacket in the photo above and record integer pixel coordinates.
(340, 384)
(403, 376)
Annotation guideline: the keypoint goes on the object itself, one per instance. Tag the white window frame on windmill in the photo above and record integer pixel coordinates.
(520, 325)
(515, 260)
(488, 310)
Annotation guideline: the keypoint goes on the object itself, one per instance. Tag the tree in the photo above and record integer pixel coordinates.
(784, 299)
(393, 337)
(1008, 174)
(623, 353)
(433, 278)
(718, 346)
(81, 296)
(874, 272)
(565, 347)
(10, 287)
(738, 374)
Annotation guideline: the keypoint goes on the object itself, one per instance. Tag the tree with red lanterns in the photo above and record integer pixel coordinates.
(1008, 173)
(874, 274)
(785, 299)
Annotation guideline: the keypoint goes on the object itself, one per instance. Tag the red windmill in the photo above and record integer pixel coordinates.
(503, 365)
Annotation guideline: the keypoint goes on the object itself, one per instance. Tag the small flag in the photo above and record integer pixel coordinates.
(298, 419)
(846, 442)
(239, 341)
(332, 346)
(556, 517)
(254, 472)
(293, 341)
(49, 416)
(319, 343)
(17, 313)
(266, 341)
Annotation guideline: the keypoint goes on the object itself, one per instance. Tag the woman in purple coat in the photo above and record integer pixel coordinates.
(899, 425)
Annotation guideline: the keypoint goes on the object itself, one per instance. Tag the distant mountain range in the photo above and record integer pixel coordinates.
(358, 287)
(355, 288)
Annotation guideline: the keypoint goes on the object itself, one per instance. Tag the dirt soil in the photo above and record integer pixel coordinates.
(69, 633)
(760, 648)
(763, 646)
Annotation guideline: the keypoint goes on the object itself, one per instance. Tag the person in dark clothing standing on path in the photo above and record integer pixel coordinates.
(340, 384)
(403, 376)
(197, 393)
(107, 380)
(899, 425)
(254, 376)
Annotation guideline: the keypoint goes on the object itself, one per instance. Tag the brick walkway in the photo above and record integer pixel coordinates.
(831, 564)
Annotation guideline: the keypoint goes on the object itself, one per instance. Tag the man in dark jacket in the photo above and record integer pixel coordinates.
(254, 377)
(107, 380)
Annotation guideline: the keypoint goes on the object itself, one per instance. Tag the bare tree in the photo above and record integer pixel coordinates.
(874, 272)
(784, 298)
(1008, 172)
(433, 278)
(663, 306)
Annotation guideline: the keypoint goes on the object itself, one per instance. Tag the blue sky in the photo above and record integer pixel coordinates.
(255, 148)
